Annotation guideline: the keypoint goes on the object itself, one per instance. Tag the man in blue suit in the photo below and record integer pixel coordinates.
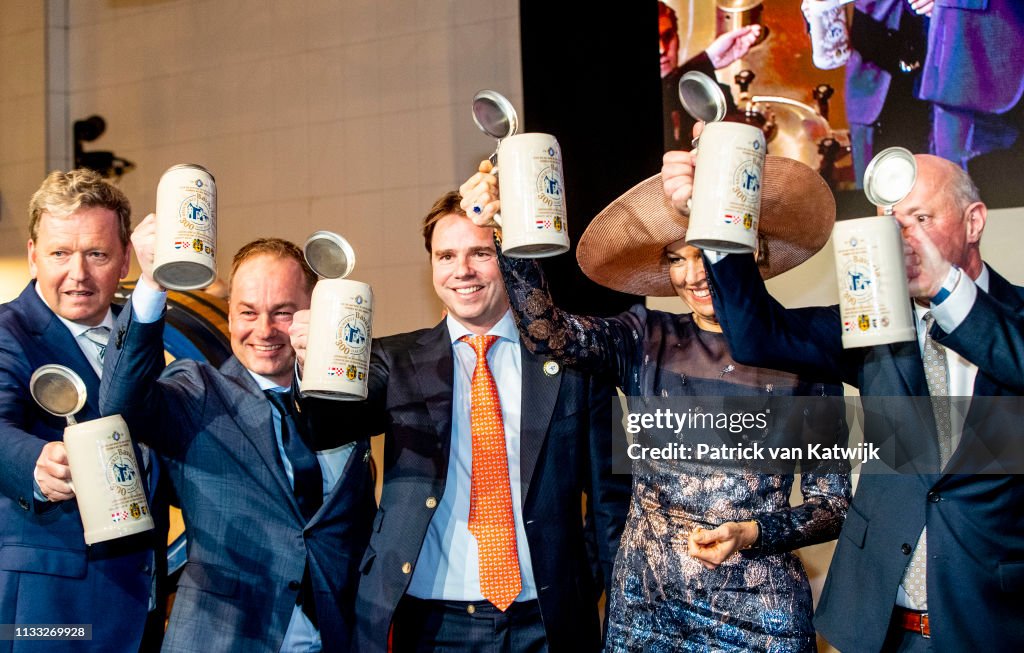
(930, 556)
(78, 250)
(449, 567)
(973, 76)
(275, 528)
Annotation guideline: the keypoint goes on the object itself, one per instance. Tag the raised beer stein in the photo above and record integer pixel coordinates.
(874, 299)
(726, 202)
(533, 216)
(186, 228)
(341, 317)
(105, 475)
(830, 38)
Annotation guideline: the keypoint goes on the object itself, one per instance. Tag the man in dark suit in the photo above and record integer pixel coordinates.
(275, 529)
(930, 554)
(78, 251)
(973, 76)
(883, 75)
(479, 543)
(725, 49)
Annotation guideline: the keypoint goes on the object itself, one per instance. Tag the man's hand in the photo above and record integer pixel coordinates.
(922, 7)
(480, 196)
(926, 267)
(299, 333)
(732, 45)
(52, 473)
(144, 243)
(713, 547)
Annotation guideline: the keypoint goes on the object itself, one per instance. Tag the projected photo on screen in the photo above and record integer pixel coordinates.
(832, 82)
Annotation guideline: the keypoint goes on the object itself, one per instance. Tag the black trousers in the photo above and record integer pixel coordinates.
(421, 626)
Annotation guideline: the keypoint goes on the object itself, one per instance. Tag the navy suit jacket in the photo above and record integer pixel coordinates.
(47, 573)
(565, 438)
(248, 543)
(975, 521)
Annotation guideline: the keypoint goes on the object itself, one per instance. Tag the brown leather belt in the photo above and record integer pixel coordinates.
(915, 622)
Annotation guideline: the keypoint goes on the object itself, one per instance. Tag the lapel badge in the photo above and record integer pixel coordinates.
(551, 368)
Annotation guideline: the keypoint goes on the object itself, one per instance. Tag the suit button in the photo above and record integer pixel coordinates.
(906, 549)
(406, 568)
(470, 608)
(145, 568)
(23, 503)
(934, 497)
(431, 502)
(294, 585)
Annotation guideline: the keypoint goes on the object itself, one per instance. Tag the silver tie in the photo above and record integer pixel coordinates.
(936, 374)
(99, 336)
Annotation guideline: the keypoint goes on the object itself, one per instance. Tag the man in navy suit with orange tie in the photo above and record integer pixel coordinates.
(479, 543)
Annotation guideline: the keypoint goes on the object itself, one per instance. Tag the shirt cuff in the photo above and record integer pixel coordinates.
(37, 492)
(954, 308)
(715, 256)
(147, 304)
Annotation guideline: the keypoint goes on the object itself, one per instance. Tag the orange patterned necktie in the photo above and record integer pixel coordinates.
(490, 502)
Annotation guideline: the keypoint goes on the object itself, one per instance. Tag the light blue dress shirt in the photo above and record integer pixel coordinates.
(448, 566)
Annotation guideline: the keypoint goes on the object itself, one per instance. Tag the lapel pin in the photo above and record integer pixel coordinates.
(551, 368)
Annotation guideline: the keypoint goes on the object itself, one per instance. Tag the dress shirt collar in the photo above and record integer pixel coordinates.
(505, 328)
(264, 383)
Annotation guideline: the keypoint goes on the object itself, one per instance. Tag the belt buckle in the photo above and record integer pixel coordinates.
(924, 627)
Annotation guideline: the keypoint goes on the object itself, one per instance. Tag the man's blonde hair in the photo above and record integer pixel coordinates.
(63, 193)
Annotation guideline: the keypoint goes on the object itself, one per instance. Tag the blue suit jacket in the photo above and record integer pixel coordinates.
(47, 573)
(248, 543)
(565, 440)
(974, 57)
(975, 522)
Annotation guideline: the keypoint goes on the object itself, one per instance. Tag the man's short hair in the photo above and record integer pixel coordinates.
(445, 205)
(962, 188)
(63, 193)
(665, 10)
(277, 248)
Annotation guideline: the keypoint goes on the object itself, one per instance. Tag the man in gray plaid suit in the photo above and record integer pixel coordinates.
(274, 529)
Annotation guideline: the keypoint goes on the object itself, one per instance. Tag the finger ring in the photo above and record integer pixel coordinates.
(477, 209)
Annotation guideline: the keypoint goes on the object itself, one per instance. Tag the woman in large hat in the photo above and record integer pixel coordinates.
(706, 560)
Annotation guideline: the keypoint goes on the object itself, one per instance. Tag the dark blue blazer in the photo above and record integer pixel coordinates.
(248, 543)
(565, 437)
(975, 521)
(47, 573)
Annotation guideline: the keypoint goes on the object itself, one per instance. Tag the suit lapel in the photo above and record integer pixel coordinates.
(540, 392)
(53, 338)
(910, 367)
(434, 368)
(252, 412)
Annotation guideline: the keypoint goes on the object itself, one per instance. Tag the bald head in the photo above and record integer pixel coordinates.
(946, 203)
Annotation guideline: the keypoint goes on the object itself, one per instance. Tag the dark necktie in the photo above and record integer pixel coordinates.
(307, 482)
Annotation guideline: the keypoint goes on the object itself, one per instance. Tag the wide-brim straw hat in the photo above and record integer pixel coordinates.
(624, 246)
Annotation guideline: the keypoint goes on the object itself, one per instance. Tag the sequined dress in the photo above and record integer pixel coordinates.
(662, 599)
